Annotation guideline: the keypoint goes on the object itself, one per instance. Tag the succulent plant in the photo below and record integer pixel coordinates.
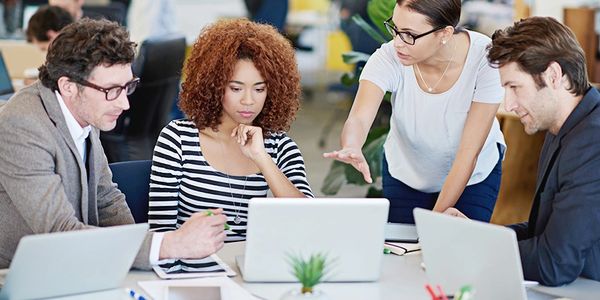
(309, 272)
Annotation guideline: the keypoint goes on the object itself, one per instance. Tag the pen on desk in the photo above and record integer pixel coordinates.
(135, 295)
(442, 294)
(431, 292)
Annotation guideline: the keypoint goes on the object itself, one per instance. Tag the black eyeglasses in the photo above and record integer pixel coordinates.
(406, 36)
(113, 93)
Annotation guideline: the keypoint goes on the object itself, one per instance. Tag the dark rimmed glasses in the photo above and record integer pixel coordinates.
(113, 92)
(406, 36)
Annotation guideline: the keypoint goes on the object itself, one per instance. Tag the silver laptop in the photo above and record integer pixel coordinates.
(349, 231)
(73, 262)
(459, 252)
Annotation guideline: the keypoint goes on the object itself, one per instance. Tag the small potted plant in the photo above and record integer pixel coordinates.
(309, 272)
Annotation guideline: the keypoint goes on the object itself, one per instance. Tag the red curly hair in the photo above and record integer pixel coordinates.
(211, 64)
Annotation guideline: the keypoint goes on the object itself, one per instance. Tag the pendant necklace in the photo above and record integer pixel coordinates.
(237, 220)
(432, 88)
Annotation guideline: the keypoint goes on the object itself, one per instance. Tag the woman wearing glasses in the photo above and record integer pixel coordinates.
(444, 148)
(241, 93)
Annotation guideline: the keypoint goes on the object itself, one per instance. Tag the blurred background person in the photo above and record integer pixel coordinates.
(45, 24)
(74, 7)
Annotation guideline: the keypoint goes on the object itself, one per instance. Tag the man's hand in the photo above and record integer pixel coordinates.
(455, 213)
(200, 236)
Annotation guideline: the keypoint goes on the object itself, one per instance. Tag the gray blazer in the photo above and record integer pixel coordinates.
(43, 182)
(561, 241)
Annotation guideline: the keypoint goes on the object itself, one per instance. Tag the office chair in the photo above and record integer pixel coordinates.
(272, 12)
(133, 179)
(114, 11)
(158, 65)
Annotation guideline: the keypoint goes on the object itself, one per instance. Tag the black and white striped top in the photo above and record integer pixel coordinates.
(182, 182)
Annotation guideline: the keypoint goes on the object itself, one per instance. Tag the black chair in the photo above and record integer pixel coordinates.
(133, 179)
(158, 65)
(114, 11)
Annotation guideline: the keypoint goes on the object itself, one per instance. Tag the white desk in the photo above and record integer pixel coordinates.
(401, 278)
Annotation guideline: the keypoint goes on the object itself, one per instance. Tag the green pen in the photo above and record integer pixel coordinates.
(210, 213)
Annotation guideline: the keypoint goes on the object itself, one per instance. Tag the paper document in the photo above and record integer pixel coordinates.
(192, 268)
(158, 289)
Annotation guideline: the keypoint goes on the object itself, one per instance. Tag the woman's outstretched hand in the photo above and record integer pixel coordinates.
(354, 157)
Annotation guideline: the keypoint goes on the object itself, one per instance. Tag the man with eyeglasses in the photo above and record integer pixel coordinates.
(53, 172)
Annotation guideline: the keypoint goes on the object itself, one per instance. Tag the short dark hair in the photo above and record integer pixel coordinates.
(438, 12)
(83, 45)
(534, 43)
(47, 18)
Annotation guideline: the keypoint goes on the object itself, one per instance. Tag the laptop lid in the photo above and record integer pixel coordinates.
(5, 82)
(349, 231)
(65, 263)
(459, 252)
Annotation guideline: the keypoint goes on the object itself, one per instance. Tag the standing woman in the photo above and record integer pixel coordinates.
(444, 148)
(241, 93)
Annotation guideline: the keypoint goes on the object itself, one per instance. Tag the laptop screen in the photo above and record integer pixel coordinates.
(5, 83)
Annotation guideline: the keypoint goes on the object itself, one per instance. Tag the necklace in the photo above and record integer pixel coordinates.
(432, 88)
(237, 219)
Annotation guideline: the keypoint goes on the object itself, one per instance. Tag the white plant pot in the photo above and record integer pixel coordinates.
(295, 294)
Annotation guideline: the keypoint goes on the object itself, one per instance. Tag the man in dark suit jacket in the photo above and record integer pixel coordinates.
(542, 68)
(54, 175)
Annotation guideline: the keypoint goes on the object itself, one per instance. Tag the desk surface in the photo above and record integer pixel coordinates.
(401, 275)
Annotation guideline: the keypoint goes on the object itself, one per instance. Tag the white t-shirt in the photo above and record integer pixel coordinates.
(425, 129)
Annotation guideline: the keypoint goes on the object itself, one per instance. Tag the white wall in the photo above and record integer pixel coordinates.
(554, 8)
(193, 15)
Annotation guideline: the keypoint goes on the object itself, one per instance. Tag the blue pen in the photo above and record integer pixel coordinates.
(135, 295)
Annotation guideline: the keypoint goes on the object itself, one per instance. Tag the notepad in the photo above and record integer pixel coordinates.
(192, 268)
(402, 248)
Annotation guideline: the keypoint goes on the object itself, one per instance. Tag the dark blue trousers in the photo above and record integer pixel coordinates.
(476, 202)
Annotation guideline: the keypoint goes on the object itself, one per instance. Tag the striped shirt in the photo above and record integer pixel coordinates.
(182, 181)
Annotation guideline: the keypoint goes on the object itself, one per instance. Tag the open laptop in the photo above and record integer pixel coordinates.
(6, 87)
(349, 231)
(73, 262)
(459, 252)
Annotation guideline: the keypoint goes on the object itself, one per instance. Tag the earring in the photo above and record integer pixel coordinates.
(444, 42)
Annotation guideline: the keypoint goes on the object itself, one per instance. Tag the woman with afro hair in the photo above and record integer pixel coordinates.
(240, 95)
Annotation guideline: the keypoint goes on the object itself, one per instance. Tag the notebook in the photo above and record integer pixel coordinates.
(350, 232)
(73, 262)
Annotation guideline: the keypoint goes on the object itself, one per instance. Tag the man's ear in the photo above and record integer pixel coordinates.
(67, 88)
(51, 34)
(554, 75)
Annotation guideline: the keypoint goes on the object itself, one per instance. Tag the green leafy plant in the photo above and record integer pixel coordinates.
(309, 272)
(341, 173)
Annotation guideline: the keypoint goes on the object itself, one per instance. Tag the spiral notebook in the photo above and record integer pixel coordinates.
(193, 268)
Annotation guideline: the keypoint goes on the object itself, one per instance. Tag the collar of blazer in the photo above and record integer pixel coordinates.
(55, 114)
(589, 103)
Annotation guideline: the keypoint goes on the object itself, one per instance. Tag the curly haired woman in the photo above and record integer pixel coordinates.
(241, 94)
